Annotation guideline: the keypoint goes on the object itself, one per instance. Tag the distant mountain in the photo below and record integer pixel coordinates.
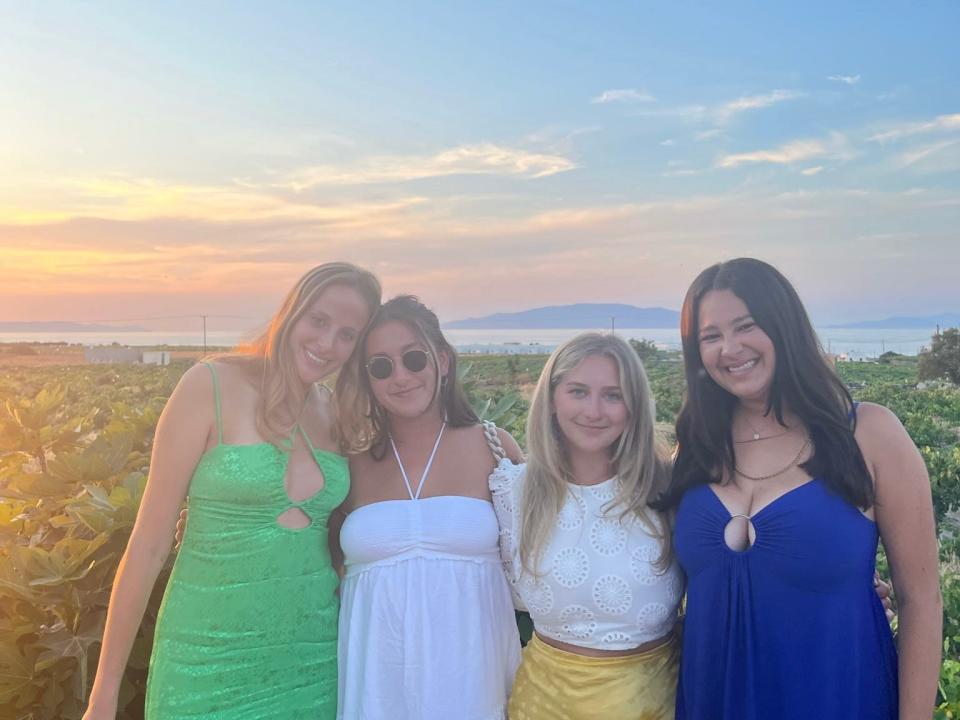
(946, 320)
(61, 326)
(581, 315)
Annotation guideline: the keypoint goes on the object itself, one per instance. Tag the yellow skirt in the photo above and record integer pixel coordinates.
(553, 684)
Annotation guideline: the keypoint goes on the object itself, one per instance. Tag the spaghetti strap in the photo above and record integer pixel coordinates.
(216, 398)
(306, 438)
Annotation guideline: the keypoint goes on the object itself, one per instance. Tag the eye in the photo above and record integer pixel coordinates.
(709, 337)
(320, 321)
(577, 392)
(747, 326)
(348, 335)
(614, 396)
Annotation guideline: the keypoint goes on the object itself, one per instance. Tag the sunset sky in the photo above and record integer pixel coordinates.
(164, 159)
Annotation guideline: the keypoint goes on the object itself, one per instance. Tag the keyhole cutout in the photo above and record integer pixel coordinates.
(740, 534)
(303, 480)
(294, 518)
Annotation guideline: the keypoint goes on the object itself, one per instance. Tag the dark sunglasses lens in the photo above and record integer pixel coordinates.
(380, 367)
(415, 360)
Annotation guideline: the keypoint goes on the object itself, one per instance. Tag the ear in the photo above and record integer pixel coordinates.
(443, 362)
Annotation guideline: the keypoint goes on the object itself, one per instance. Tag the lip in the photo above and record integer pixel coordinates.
(743, 367)
(312, 357)
(592, 428)
(405, 393)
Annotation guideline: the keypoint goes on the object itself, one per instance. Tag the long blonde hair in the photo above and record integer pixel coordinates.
(281, 390)
(641, 465)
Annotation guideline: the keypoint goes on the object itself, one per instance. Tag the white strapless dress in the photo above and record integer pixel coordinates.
(427, 629)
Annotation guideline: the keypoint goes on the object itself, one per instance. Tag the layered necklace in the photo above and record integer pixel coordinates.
(757, 435)
(789, 466)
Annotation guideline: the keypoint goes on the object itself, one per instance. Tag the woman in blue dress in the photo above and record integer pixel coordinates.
(782, 486)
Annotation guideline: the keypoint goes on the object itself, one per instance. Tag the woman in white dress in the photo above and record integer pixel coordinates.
(426, 622)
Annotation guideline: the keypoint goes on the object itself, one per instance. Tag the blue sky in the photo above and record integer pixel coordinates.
(199, 156)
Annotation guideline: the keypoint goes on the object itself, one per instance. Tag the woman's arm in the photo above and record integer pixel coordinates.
(904, 514)
(180, 440)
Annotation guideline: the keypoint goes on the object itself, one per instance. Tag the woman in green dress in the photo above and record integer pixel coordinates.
(248, 625)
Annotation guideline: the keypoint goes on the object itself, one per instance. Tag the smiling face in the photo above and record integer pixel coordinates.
(589, 405)
(735, 352)
(405, 393)
(323, 337)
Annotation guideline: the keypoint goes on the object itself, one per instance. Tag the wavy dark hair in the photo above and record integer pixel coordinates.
(361, 417)
(803, 381)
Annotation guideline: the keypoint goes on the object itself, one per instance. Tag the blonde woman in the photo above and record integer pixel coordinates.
(584, 553)
(248, 625)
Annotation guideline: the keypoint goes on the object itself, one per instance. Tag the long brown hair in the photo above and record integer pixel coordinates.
(803, 381)
(363, 423)
(281, 390)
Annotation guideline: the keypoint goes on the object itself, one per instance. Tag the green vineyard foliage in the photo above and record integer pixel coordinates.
(75, 448)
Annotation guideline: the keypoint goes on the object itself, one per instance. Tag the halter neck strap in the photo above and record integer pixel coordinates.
(426, 469)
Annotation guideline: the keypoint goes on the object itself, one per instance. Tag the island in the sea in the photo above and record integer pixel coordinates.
(580, 315)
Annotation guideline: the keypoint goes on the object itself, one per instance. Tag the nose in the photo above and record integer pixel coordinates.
(400, 373)
(593, 408)
(324, 338)
(731, 344)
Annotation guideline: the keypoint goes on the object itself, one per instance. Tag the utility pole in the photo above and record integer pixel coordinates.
(204, 334)
(613, 323)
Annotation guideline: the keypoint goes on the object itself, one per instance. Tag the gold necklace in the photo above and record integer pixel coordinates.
(756, 433)
(793, 463)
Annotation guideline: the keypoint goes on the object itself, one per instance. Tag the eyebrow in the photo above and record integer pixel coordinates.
(584, 385)
(408, 346)
(733, 322)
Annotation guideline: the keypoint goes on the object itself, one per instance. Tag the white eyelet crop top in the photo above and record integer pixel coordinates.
(598, 586)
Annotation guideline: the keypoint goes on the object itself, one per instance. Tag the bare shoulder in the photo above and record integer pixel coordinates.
(195, 388)
(233, 374)
(890, 453)
(879, 430)
(510, 446)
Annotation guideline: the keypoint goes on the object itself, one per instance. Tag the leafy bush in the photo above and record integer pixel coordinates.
(943, 358)
(74, 452)
(73, 461)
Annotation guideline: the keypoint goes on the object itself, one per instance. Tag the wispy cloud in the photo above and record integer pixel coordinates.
(915, 156)
(707, 134)
(133, 199)
(730, 109)
(834, 147)
(784, 155)
(483, 159)
(669, 142)
(941, 122)
(722, 113)
(816, 170)
(845, 79)
(627, 95)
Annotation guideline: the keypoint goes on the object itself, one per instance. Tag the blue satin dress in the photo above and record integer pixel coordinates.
(791, 628)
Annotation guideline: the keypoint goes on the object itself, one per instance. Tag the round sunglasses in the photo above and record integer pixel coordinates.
(381, 366)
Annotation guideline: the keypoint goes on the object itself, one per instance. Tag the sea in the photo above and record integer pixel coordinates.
(854, 343)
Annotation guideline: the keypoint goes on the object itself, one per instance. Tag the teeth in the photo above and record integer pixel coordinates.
(740, 368)
(314, 357)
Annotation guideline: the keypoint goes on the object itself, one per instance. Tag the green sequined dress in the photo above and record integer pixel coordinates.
(248, 625)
